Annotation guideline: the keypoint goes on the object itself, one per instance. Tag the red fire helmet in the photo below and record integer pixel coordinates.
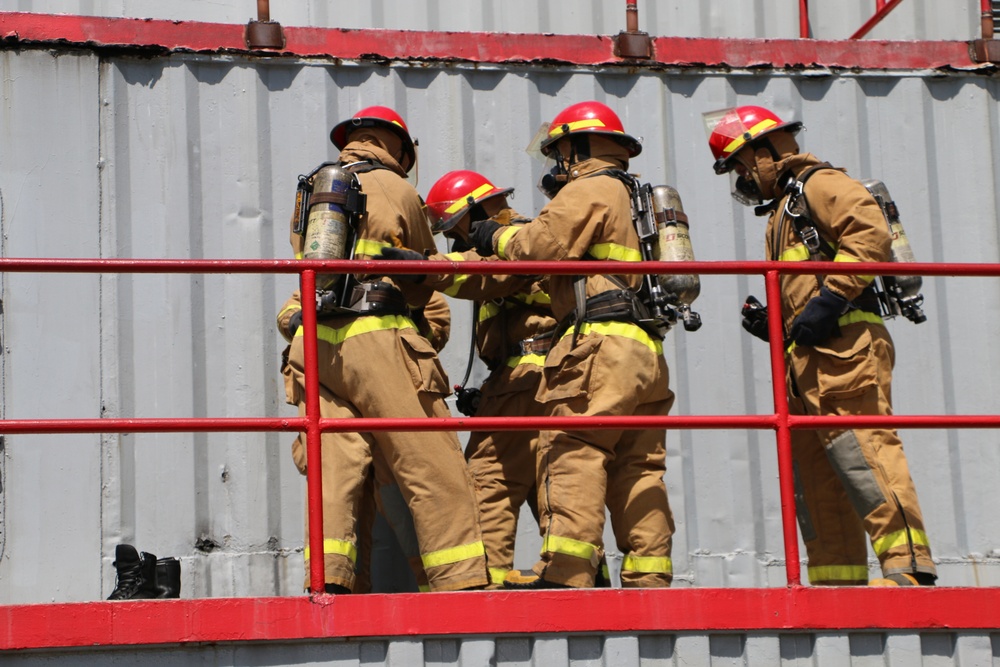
(730, 129)
(455, 193)
(377, 117)
(589, 118)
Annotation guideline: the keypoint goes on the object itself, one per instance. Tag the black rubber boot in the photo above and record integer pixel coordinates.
(168, 578)
(136, 574)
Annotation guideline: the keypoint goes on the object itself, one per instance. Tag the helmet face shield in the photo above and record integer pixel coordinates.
(553, 178)
(534, 148)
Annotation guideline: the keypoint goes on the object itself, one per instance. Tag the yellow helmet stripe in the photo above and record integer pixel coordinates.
(579, 125)
(749, 134)
(464, 200)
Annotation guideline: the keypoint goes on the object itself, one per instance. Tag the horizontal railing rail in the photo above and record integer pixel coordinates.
(313, 425)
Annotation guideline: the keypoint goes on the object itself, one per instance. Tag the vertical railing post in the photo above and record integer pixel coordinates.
(786, 481)
(314, 467)
(804, 19)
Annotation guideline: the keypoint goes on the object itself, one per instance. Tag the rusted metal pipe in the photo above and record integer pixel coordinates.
(632, 43)
(804, 19)
(986, 19)
(632, 15)
(264, 33)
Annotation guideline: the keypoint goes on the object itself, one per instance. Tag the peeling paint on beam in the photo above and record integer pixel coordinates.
(137, 623)
(19, 28)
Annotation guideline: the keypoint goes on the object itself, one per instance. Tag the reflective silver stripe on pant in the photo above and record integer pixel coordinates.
(847, 459)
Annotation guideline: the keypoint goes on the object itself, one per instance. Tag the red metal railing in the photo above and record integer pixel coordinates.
(882, 9)
(31, 626)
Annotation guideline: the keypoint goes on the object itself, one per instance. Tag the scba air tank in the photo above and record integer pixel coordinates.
(329, 230)
(674, 244)
(904, 290)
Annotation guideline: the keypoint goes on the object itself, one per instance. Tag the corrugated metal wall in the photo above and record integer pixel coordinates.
(867, 649)
(912, 19)
(197, 157)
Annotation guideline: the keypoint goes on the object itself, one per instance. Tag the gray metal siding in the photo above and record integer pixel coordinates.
(867, 649)
(914, 19)
(197, 157)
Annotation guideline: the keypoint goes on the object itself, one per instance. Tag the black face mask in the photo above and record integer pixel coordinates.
(746, 192)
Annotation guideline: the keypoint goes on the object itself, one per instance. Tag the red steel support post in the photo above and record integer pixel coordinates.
(314, 468)
(785, 479)
(804, 19)
(880, 14)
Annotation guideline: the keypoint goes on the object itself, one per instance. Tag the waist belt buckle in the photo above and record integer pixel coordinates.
(534, 346)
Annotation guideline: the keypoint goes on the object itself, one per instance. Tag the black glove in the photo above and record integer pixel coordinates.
(755, 318)
(818, 320)
(390, 252)
(481, 235)
(294, 322)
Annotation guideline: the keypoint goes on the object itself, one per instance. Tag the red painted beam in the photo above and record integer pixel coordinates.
(105, 624)
(483, 47)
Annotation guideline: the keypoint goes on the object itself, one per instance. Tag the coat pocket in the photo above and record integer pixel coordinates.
(846, 368)
(422, 361)
(569, 369)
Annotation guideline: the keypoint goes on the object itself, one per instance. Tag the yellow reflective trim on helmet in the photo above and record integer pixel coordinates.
(505, 236)
(525, 360)
(370, 247)
(614, 251)
(361, 325)
(899, 539)
(341, 547)
(579, 125)
(464, 200)
(648, 564)
(497, 575)
(568, 547)
(847, 258)
(738, 142)
(623, 329)
(453, 554)
(838, 573)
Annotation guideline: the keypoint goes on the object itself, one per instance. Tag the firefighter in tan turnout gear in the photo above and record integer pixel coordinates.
(839, 354)
(373, 362)
(602, 362)
(514, 329)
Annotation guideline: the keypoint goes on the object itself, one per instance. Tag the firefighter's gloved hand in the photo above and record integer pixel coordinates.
(403, 253)
(481, 234)
(818, 320)
(294, 322)
(755, 318)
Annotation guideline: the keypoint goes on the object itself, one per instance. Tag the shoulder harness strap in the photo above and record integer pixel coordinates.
(797, 209)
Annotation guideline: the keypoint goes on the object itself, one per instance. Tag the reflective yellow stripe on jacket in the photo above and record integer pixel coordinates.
(526, 360)
(614, 251)
(342, 547)
(648, 564)
(453, 554)
(623, 329)
(898, 539)
(361, 325)
(838, 573)
(851, 318)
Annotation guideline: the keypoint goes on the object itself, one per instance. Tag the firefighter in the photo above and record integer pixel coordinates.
(602, 362)
(839, 354)
(373, 362)
(514, 327)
